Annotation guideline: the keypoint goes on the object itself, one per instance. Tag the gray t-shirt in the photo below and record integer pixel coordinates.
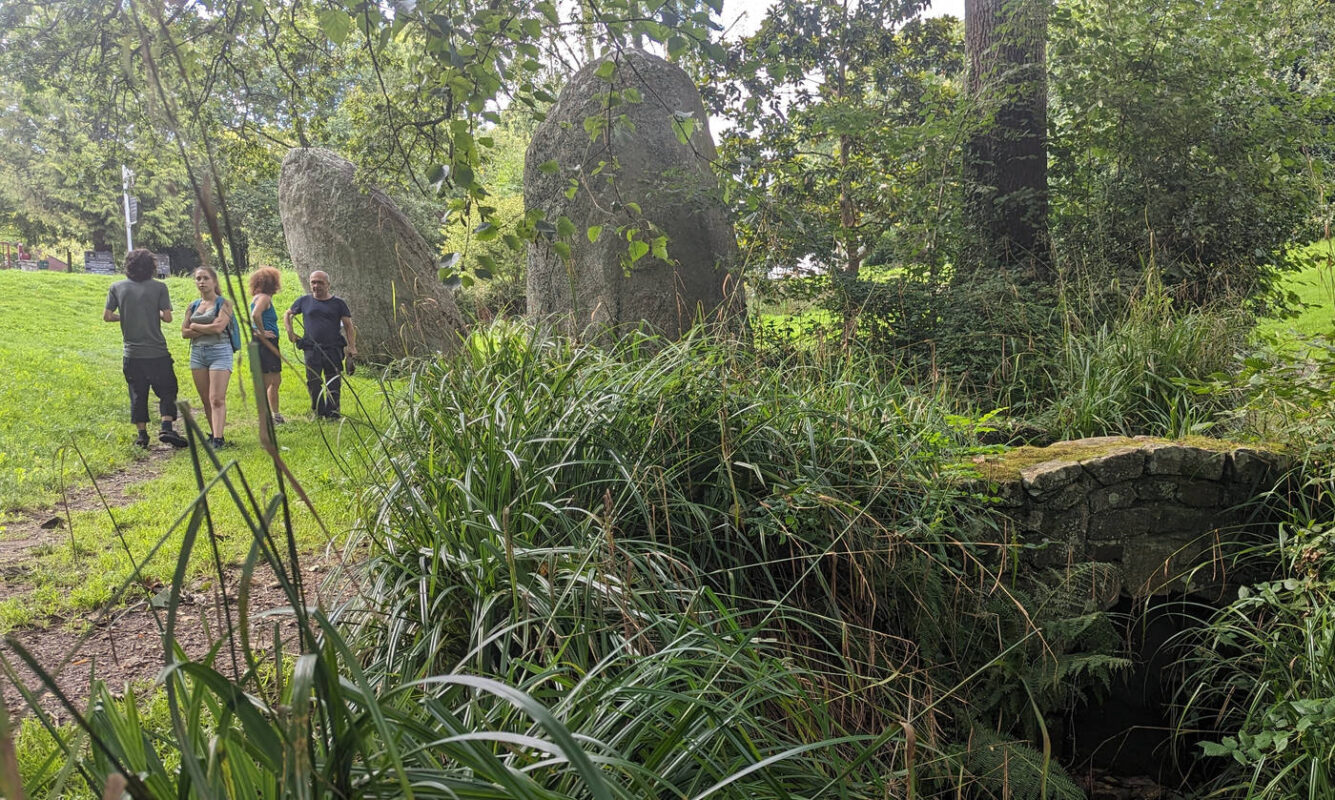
(138, 303)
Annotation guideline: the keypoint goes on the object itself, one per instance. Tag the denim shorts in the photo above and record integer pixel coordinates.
(211, 356)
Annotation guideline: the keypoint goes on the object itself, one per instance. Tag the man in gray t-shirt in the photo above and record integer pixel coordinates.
(141, 305)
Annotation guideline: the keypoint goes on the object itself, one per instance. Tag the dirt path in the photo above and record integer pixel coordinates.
(124, 645)
(34, 529)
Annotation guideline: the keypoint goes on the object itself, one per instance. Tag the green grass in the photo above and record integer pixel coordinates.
(62, 383)
(660, 570)
(63, 392)
(1315, 287)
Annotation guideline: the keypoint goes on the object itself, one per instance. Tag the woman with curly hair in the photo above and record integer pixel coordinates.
(266, 282)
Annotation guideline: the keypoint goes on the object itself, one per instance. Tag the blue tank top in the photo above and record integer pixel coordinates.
(268, 317)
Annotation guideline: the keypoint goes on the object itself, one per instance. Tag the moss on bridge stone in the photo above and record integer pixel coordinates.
(1153, 508)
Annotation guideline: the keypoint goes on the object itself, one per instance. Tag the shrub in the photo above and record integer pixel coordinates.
(1199, 158)
(492, 262)
(1260, 676)
(1145, 373)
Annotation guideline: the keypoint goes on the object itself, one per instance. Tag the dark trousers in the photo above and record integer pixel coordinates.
(157, 374)
(324, 377)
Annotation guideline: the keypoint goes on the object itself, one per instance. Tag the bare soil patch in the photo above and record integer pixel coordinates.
(27, 530)
(125, 647)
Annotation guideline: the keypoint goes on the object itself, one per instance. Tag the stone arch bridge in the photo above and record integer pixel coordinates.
(1149, 507)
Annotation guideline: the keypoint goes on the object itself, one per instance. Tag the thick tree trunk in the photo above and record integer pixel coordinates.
(1005, 166)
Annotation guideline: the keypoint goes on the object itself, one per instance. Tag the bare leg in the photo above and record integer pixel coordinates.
(201, 377)
(218, 400)
(272, 380)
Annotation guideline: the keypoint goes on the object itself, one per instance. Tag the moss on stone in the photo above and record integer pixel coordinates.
(1006, 466)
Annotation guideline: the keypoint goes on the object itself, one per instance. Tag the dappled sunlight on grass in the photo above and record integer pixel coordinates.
(1315, 287)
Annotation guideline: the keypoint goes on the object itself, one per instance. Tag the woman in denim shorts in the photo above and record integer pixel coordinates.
(210, 349)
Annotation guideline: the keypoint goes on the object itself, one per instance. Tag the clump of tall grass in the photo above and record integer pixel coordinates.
(1146, 372)
(563, 516)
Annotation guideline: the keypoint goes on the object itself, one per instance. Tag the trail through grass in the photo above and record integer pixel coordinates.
(63, 396)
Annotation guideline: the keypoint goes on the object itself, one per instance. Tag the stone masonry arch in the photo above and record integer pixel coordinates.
(1151, 508)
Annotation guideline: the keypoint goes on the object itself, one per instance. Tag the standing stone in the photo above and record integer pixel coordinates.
(613, 135)
(376, 260)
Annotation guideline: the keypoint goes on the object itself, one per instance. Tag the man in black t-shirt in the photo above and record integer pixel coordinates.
(327, 321)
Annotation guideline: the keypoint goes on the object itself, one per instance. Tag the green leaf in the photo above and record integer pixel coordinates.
(562, 249)
(1215, 749)
(594, 232)
(683, 125)
(335, 24)
(549, 167)
(660, 247)
(606, 70)
(638, 249)
(594, 125)
(564, 227)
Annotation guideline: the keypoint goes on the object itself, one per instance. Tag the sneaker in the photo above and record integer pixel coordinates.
(219, 444)
(172, 438)
(278, 419)
(141, 440)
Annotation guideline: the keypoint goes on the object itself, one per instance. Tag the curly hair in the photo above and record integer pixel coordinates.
(265, 280)
(139, 265)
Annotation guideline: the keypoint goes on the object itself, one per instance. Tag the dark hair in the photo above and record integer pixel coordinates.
(213, 273)
(139, 265)
(266, 280)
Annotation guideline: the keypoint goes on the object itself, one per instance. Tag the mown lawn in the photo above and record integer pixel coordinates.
(1315, 287)
(62, 394)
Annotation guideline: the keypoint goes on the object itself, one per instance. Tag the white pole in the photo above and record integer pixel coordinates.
(126, 175)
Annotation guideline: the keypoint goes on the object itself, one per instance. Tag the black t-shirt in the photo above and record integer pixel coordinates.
(322, 318)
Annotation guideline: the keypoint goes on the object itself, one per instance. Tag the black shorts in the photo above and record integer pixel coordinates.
(269, 360)
(142, 374)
